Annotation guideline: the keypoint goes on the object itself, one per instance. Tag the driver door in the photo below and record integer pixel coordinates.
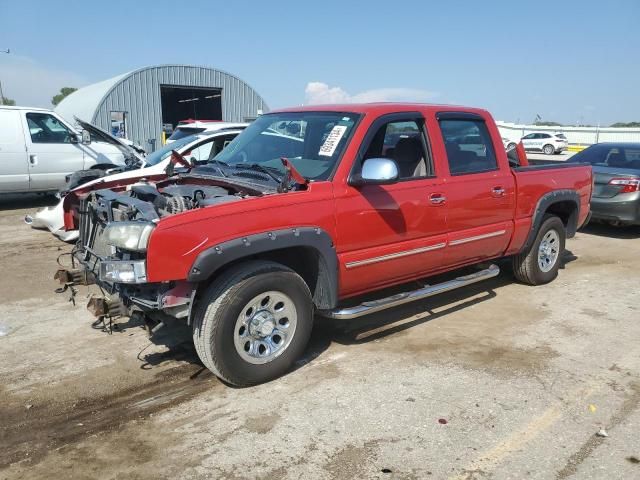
(390, 233)
(51, 153)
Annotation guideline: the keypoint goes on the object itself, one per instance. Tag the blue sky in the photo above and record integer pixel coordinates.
(567, 61)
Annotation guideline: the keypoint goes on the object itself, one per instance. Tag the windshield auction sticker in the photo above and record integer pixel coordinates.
(331, 143)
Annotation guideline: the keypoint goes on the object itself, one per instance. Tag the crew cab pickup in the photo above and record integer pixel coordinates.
(311, 208)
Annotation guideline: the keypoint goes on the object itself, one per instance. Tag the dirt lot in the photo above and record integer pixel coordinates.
(497, 381)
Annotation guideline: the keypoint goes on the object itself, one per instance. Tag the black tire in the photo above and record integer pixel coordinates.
(526, 268)
(219, 307)
(549, 149)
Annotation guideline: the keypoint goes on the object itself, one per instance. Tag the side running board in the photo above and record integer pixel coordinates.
(373, 306)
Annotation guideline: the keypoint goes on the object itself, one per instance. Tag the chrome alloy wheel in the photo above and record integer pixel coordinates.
(549, 250)
(265, 327)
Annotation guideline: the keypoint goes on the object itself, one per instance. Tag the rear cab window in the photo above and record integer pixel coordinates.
(468, 145)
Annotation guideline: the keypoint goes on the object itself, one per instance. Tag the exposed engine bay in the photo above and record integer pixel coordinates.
(151, 201)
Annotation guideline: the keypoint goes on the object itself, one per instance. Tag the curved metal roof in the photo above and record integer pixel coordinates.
(84, 102)
(138, 93)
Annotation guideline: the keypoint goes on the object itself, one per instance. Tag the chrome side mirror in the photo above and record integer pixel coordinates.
(86, 137)
(377, 171)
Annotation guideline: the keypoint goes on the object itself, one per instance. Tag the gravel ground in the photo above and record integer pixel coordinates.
(497, 381)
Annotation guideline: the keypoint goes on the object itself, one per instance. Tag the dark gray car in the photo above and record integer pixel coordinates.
(616, 171)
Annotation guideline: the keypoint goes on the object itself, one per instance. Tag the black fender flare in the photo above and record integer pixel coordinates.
(546, 201)
(214, 258)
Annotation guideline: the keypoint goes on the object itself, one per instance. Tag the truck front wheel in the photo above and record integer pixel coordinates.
(540, 263)
(252, 323)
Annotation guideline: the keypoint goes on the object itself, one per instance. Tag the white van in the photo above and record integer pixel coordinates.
(38, 149)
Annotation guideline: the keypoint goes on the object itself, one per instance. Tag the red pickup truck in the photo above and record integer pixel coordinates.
(307, 210)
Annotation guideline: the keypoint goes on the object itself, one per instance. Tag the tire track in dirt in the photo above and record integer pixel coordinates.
(26, 434)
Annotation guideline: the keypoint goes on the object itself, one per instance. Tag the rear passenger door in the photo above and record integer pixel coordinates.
(480, 194)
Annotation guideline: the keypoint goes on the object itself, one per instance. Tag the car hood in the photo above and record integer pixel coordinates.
(99, 134)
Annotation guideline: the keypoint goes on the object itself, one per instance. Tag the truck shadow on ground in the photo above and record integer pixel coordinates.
(399, 319)
(604, 230)
(395, 320)
(19, 201)
(179, 346)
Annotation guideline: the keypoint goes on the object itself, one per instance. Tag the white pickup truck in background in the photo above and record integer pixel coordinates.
(38, 149)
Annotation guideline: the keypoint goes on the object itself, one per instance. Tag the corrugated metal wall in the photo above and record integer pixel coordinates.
(139, 95)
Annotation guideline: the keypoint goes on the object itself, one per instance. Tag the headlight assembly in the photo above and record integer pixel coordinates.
(133, 236)
(123, 271)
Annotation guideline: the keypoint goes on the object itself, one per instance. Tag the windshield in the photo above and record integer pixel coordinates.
(182, 132)
(162, 153)
(312, 141)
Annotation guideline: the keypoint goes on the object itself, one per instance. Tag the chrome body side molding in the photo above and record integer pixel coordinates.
(460, 241)
(393, 256)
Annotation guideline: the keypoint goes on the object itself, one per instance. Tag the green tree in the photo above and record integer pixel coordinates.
(548, 124)
(626, 125)
(64, 91)
(7, 101)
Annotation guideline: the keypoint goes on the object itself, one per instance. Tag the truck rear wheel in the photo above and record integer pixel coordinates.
(540, 263)
(252, 323)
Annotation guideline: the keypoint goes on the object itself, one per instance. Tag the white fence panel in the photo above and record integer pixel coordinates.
(575, 135)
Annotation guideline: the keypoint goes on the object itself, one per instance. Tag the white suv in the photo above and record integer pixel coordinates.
(193, 128)
(545, 142)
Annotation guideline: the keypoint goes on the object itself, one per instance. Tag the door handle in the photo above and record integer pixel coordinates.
(33, 160)
(437, 199)
(497, 192)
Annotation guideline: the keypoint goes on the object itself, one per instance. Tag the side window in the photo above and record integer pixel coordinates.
(528, 137)
(45, 128)
(402, 141)
(221, 143)
(469, 146)
(201, 152)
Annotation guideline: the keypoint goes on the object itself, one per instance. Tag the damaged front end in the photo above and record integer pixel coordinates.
(115, 226)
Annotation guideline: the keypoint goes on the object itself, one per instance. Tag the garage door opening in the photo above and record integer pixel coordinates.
(189, 103)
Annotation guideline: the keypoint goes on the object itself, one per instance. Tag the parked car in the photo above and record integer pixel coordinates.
(508, 144)
(195, 148)
(549, 143)
(38, 149)
(191, 127)
(616, 171)
(247, 247)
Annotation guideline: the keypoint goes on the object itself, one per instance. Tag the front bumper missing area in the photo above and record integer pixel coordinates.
(125, 288)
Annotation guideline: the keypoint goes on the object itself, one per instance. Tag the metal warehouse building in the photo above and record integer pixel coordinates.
(140, 105)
